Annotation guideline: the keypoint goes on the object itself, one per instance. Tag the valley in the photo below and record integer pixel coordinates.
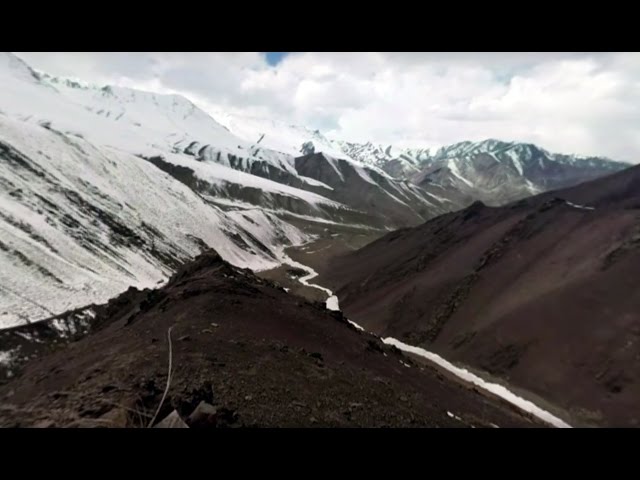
(540, 293)
(320, 253)
(291, 279)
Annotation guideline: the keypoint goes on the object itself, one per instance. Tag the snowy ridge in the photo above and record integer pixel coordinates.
(170, 126)
(493, 171)
(380, 156)
(216, 173)
(292, 140)
(135, 121)
(521, 157)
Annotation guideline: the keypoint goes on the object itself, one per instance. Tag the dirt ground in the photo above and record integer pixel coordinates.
(260, 356)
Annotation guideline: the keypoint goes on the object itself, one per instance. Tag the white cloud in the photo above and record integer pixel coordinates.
(567, 102)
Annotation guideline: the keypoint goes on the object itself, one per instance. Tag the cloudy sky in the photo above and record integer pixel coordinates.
(585, 103)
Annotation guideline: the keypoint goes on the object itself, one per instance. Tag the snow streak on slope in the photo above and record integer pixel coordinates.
(579, 207)
(334, 164)
(494, 388)
(453, 168)
(215, 173)
(313, 182)
(517, 164)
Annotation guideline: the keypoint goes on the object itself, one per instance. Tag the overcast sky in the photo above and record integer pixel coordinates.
(585, 103)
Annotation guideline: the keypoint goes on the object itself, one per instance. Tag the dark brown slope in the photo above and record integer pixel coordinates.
(390, 203)
(541, 293)
(261, 356)
(621, 190)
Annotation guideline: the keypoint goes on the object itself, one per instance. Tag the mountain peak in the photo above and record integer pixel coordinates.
(11, 64)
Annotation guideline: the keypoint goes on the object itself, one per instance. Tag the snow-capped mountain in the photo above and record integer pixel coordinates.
(263, 148)
(399, 163)
(497, 172)
(524, 156)
(362, 185)
(102, 188)
(493, 171)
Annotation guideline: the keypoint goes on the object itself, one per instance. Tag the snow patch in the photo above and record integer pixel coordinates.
(580, 207)
(440, 199)
(323, 220)
(332, 303)
(359, 328)
(451, 415)
(6, 357)
(28, 337)
(532, 187)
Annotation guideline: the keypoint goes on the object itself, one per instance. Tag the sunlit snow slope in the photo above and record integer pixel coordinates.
(80, 223)
(86, 212)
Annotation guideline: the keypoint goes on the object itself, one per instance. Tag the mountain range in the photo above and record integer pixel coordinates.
(104, 187)
(126, 213)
